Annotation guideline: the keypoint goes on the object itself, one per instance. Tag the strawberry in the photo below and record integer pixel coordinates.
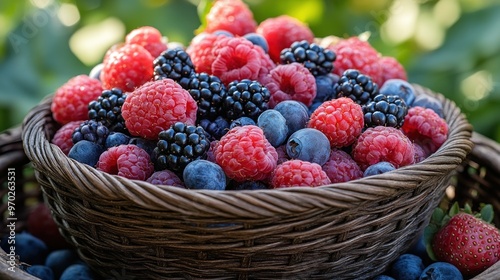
(463, 239)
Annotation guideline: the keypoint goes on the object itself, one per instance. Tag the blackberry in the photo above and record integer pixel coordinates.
(174, 64)
(245, 98)
(385, 110)
(179, 145)
(318, 60)
(92, 131)
(208, 91)
(107, 109)
(356, 86)
(215, 129)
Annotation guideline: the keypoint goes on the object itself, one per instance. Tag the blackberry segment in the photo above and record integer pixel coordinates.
(92, 131)
(216, 128)
(209, 92)
(174, 64)
(179, 145)
(356, 86)
(316, 59)
(107, 109)
(385, 110)
(245, 98)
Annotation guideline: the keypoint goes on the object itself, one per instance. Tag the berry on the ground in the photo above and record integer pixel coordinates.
(295, 113)
(204, 174)
(128, 161)
(391, 69)
(308, 144)
(357, 86)
(245, 98)
(174, 64)
(274, 126)
(385, 110)
(209, 92)
(400, 88)
(63, 136)
(378, 168)
(165, 177)
(298, 173)
(28, 247)
(426, 128)
(77, 271)
(86, 152)
(230, 15)
(340, 167)
(148, 37)
(316, 59)
(42, 272)
(92, 131)
(107, 109)
(59, 260)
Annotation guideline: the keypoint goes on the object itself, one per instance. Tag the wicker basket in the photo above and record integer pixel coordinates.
(342, 231)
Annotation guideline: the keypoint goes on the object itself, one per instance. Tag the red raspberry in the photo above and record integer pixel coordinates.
(245, 154)
(340, 167)
(280, 32)
(165, 177)
(157, 105)
(299, 173)
(72, 99)
(426, 128)
(149, 38)
(354, 53)
(391, 69)
(382, 143)
(341, 120)
(127, 67)
(62, 137)
(200, 50)
(420, 154)
(290, 82)
(128, 161)
(41, 224)
(230, 15)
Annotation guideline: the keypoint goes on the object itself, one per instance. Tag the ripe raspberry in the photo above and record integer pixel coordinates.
(149, 38)
(391, 69)
(382, 143)
(353, 53)
(426, 128)
(420, 154)
(245, 154)
(280, 32)
(298, 173)
(71, 99)
(127, 67)
(62, 137)
(290, 82)
(201, 51)
(340, 167)
(128, 161)
(341, 120)
(230, 15)
(157, 105)
(165, 177)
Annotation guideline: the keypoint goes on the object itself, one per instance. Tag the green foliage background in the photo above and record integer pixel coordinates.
(36, 57)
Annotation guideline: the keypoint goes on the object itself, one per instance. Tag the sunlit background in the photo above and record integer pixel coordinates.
(450, 46)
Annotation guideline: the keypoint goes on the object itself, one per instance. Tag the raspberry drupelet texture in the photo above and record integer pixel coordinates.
(245, 154)
(298, 173)
(63, 136)
(149, 38)
(382, 143)
(391, 69)
(340, 167)
(157, 105)
(230, 15)
(315, 58)
(201, 51)
(165, 177)
(426, 128)
(128, 161)
(127, 67)
(341, 120)
(72, 99)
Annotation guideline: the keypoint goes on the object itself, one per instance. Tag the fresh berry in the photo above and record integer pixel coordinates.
(242, 121)
(282, 154)
(420, 153)
(341, 120)
(295, 113)
(290, 82)
(42, 272)
(63, 136)
(257, 40)
(203, 174)
(59, 260)
(400, 88)
(245, 154)
(383, 277)
(308, 144)
(391, 69)
(127, 67)
(179, 145)
(201, 51)
(209, 92)
(92, 131)
(429, 102)
(230, 15)
(280, 32)
(247, 185)
(211, 150)
(86, 152)
(441, 271)
(217, 128)
(357, 86)
(298, 173)
(385, 110)
(30, 249)
(145, 144)
(149, 38)
(245, 98)
(107, 109)
(407, 266)
(274, 126)
(77, 271)
(174, 64)
(41, 224)
(165, 177)
(340, 167)
(116, 139)
(95, 72)
(426, 128)
(157, 105)
(316, 59)
(325, 87)
(128, 161)
(378, 168)
(71, 100)
(382, 143)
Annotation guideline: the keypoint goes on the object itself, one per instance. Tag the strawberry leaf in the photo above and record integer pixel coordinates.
(487, 213)
(437, 216)
(430, 252)
(467, 208)
(454, 209)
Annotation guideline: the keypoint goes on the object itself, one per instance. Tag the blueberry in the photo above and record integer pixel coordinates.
(441, 271)
(314, 106)
(86, 152)
(146, 145)
(418, 248)
(324, 87)
(59, 260)
(429, 102)
(96, 71)
(77, 271)
(407, 267)
(378, 168)
(116, 139)
(295, 113)
(257, 40)
(30, 249)
(223, 32)
(216, 128)
(274, 126)
(241, 122)
(309, 144)
(400, 88)
(203, 174)
(383, 277)
(41, 271)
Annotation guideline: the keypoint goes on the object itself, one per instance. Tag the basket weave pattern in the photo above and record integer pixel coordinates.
(342, 231)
